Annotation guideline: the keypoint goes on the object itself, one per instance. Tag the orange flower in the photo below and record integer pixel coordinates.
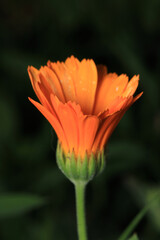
(82, 102)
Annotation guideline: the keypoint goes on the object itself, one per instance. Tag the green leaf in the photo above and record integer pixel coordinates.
(137, 219)
(134, 237)
(16, 203)
(143, 193)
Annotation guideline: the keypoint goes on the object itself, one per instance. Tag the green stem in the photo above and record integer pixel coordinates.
(80, 207)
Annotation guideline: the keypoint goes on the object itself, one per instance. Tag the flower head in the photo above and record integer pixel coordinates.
(82, 101)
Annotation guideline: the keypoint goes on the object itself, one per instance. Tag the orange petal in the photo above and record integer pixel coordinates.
(117, 104)
(65, 79)
(80, 130)
(116, 88)
(86, 85)
(101, 94)
(117, 118)
(101, 131)
(53, 121)
(33, 74)
(80, 117)
(109, 122)
(68, 121)
(42, 95)
(52, 83)
(78, 80)
(90, 126)
(87, 127)
(113, 122)
(131, 87)
(34, 77)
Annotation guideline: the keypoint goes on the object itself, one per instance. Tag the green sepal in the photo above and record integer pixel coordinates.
(73, 166)
(60, 158)
(102, 161)
(78, 169)
(92, 166)
(84, 168)
(79, 164)
(67, 168)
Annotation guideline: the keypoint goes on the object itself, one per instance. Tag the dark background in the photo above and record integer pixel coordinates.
(125, 36)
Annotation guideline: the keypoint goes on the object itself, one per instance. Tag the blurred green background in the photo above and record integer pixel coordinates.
(36, 200)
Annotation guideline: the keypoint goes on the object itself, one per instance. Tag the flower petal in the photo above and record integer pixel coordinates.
(103, 127)
(115, 119)
(82, 102)
(34, 77)
(52, 83)
(66, 81)
(68, 121)
(78, 80)
(53, 121)
(39, 87)
(90, 127)
(86, 85)
(116, 88)
(131, 87)
(80, 129)
(87, 126)
(102, 91)
(110, 124)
